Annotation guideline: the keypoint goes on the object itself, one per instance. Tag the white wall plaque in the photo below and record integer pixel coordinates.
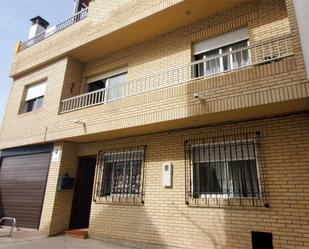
(56, 154)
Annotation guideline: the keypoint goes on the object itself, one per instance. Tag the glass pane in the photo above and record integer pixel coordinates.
(29, 105)
(210, 178)
(122, 177)
(107, 178)
(118, 178)
(226, 59)
(136, 177)
(244, 179)
(97, 85)
(116, 87)
(227, 168)
(212, 65)
(241, 58)
(39, 102)
(200, 67)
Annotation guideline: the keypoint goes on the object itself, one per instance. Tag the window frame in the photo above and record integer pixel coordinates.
(220, 56)
(34, 105)
(131, 162)
(128, 154)
(227, 196)
(106, 78)
(37, 102)
(108, 87)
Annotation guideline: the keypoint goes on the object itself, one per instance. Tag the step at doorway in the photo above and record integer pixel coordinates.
(77, 233)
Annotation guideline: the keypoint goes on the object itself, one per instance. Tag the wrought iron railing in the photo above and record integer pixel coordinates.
(61, 26)
(256, 54)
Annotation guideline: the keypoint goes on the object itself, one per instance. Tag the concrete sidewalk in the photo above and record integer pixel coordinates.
(63, 242)
(60, 242)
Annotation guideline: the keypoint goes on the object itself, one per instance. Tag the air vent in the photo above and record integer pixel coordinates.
(261, 240)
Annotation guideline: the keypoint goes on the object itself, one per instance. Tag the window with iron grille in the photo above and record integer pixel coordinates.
(224, 168)
(120, 174)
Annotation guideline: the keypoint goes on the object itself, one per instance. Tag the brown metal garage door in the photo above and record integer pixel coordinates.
(22, 186)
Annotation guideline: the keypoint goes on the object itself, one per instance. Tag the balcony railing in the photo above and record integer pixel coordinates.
(55, 29)
(261, 53)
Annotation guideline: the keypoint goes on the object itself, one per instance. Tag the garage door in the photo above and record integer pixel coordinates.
(22, 186)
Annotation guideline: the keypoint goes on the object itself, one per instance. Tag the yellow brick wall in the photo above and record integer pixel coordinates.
(25, 126)
(103, 9)
(281, 81)
(73, 79)
(166, 219)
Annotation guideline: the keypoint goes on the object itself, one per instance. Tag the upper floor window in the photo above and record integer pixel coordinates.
(34, 97)
(221, 54)
(111, 83)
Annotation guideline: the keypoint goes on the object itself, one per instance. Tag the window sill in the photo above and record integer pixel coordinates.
(24, 114)
(113, 200)
(221, 202)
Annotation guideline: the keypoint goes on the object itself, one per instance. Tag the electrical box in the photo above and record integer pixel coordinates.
(167, 174)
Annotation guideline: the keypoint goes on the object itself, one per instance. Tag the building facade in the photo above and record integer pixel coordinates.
(172, 122)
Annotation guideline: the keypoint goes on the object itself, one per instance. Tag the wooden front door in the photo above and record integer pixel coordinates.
(83, 193)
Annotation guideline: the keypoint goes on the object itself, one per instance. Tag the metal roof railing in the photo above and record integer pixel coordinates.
(55, 29)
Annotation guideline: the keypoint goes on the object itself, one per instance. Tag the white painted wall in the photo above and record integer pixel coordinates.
(35, 30)
(302, 16)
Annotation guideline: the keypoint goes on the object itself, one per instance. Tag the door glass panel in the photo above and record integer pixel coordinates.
(116, 87)
(213, 64)
(241, 58)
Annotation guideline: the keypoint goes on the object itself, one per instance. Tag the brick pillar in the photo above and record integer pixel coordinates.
(56, 211)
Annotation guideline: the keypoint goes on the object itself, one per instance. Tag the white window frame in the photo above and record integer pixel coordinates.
(38, 93)
(218, 43)
(225, 196)
(231, 64)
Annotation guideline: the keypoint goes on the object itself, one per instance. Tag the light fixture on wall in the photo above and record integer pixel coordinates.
(80, 122)
(198, 97)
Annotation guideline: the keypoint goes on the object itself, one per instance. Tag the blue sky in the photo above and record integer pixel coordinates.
(15, 25)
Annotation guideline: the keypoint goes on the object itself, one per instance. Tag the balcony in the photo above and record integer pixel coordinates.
(262, 53)
(55, 29)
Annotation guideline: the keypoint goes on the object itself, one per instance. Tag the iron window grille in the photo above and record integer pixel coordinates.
(225, 170)
(120, 175)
